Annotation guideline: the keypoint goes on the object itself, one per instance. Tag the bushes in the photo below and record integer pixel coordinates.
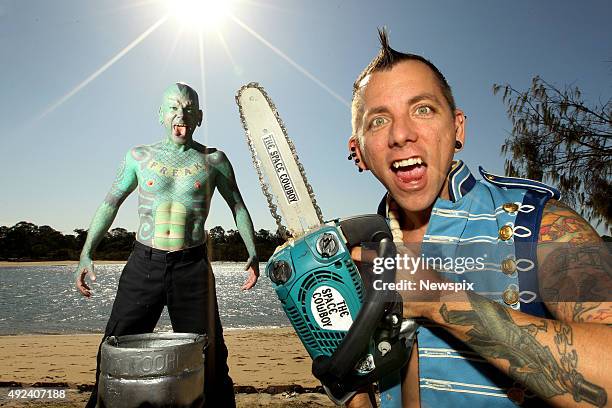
(28, 242)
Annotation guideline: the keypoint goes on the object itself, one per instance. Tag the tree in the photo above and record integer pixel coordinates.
(217, 234)
(19, 239)
(560, 139)
(81, 236)
(27, 241)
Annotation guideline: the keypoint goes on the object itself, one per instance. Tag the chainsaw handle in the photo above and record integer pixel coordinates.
(330, 370)
(364, 228)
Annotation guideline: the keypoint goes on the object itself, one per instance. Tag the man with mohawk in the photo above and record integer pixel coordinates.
(535, 329)
(175, 179)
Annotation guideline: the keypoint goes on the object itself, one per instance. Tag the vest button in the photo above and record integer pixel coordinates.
(510, 296)
(510, 207)
(505, 232)
(508, 266)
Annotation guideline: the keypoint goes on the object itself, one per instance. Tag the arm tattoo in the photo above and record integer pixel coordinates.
(575, 268)
(562, 224)
(495, 335)
(568, 375)
(116, 193)
(226, 183)
(577, 273)
(581, 308)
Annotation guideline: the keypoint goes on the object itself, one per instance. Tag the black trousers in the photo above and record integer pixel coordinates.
(182, 280)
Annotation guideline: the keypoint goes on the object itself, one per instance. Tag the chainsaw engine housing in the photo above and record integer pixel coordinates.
(319, 287)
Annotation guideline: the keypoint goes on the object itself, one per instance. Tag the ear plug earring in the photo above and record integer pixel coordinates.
(353, 156)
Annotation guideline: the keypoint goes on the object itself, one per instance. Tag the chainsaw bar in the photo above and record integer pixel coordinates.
(281, 175)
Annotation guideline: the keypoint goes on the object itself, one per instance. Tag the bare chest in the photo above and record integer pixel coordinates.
(178, 176)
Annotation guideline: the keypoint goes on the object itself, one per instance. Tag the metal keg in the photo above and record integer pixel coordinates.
(152, 370)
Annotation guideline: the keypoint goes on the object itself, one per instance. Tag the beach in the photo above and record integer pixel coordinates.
(267, 366)
(270, 367)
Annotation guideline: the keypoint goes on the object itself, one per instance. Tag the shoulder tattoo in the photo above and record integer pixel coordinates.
(562, 224)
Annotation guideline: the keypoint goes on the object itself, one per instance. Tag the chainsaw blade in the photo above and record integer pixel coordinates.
(281, 176)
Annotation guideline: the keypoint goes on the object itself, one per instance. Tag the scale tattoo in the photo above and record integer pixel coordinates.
(169, 267)
(175, 180)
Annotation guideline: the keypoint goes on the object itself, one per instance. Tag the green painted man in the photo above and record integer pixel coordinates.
(175, 179)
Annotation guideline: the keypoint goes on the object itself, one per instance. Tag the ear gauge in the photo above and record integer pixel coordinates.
(458, 145)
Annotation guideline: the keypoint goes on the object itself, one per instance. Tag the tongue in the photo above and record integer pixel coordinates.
(180, 130)
(410, 173)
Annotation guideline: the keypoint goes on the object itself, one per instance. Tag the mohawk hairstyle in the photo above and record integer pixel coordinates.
(387, 58)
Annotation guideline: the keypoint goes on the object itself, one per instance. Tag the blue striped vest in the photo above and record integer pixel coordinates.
(496, 218)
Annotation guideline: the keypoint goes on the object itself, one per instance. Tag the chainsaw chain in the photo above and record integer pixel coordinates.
(285, 234)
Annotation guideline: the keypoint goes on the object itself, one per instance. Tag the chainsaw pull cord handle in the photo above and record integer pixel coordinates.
(331, 369)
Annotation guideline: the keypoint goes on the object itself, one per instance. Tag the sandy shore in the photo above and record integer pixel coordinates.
(258, 358)
(262, 360)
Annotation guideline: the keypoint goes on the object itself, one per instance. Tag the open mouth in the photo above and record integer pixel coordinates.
(179, 130)
(411, 171)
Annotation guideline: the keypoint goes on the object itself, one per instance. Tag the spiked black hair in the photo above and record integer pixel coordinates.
(387, 58)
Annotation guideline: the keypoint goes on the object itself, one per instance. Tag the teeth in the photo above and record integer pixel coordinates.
(407, 162)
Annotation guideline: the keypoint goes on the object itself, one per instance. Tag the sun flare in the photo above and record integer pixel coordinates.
(200, 14)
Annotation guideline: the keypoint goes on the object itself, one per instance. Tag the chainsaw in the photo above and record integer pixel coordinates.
(354, 334)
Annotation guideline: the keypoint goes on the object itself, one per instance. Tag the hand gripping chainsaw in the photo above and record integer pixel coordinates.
(354, 334)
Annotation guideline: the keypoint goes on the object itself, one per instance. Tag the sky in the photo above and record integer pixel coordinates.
(81, 83)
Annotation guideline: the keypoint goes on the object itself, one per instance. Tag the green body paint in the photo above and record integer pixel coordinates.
(170, 221)
(174, 192)
(176, 179)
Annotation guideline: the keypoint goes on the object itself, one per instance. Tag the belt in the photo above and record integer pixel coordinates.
(159, 255)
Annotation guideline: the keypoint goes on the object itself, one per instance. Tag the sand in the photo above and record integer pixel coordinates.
(266, 365)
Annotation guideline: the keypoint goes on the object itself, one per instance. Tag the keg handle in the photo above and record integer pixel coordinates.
(113, 341)
(204, 337)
